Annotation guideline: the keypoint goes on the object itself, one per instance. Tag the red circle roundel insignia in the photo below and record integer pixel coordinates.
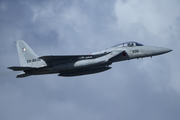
(124, 54)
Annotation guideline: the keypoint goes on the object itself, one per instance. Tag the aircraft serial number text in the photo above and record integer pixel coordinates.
(33, 60)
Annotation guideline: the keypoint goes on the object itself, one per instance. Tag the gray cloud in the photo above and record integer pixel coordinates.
(136, 89)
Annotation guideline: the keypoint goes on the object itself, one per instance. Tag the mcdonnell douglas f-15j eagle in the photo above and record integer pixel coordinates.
(75, 65)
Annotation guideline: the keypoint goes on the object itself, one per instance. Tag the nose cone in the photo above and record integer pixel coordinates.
(164, 50)
(159, 50)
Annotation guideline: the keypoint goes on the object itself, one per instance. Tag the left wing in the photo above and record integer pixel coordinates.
(64, 59)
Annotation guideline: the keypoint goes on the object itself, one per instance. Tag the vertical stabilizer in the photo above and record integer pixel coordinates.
(27, 56)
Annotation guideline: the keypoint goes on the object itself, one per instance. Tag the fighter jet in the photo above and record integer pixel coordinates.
(75, 65)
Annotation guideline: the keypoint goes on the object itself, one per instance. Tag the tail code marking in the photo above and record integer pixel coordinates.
(24, 49)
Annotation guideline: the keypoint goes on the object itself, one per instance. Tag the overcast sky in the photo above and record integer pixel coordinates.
(144, 89)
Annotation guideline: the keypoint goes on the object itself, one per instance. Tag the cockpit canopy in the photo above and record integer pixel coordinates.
(128, 44)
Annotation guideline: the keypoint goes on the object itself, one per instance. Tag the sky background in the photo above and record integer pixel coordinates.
(144, 89)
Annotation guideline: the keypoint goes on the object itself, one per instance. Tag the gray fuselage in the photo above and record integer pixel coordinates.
(113, 54)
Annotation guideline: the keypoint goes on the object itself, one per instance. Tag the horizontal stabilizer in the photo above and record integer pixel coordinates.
(21, 75)
(19, 68)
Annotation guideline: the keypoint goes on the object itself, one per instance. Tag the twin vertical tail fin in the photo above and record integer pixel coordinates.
(27, 57)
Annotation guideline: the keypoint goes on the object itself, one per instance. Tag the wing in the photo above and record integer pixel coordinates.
(50, 60)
